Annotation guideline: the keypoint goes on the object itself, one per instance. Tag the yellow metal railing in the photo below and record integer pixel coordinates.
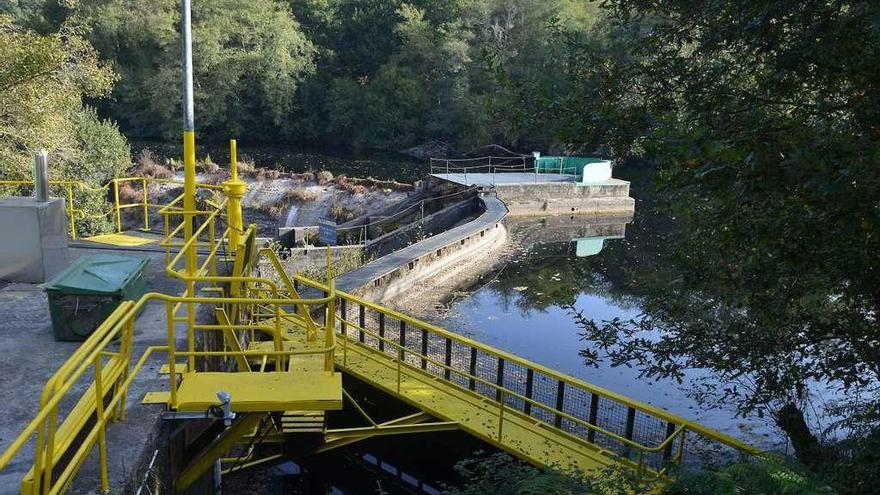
(649, 440)
(64, 437)
(220, 254)
(68, 190)
(144, 203)
(62, 446)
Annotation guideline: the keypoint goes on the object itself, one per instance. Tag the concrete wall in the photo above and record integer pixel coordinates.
(290, 236)
(313, 256)
(396, 272)
(433, 224)
(610, 198)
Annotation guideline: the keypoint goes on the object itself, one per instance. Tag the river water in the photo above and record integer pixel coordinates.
(525, 306)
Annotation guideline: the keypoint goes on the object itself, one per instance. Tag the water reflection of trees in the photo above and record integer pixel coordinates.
(547, 274)
(752, 286)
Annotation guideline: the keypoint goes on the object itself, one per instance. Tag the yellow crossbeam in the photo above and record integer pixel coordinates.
(206, 459)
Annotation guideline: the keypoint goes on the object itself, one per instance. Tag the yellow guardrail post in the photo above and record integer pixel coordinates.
(501, 411)
(212, 241)
(146, 203)
(172, 359)
(189, 174)
(235, 190)
(330, 319)
(116, 205)
(125, 351)
(70, 217)
(102, 430)
(49, 456)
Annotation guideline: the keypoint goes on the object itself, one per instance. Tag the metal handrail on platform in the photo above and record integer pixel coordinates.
(647, 439)
(641, 437)
(65, 437)
(68, 189)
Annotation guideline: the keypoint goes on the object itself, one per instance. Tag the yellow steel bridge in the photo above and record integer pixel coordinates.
(276, 350)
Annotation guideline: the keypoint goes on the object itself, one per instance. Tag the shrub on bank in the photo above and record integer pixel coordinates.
(502, 474)
(324, 177)
(770, 476)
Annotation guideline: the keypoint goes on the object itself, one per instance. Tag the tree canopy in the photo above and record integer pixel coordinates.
(43, 82)
(762, 120)
(248, 62)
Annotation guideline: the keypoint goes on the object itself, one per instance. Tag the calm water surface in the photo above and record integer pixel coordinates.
(524, 309)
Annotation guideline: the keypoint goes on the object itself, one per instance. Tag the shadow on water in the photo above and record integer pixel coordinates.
(564, 264)
(414, 464)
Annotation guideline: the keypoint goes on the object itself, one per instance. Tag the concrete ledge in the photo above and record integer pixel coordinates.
(594, 207)
(604, 198)
(396, 272)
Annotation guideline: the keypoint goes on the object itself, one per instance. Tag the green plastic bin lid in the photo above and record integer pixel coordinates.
(97, 274)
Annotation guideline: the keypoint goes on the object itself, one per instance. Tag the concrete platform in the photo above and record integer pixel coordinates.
(533, 194)
(31, 355)
(506, 178)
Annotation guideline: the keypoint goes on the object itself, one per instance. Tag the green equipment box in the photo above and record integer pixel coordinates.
(83, 295)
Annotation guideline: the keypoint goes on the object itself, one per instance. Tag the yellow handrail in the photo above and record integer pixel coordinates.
(112, 368)
(507, 393)
(95, 348)
(117, 205)
(683, 424)
(264, 297)
(640, 406)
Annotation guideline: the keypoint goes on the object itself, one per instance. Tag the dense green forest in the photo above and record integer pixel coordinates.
(759, 121)
(359, 73)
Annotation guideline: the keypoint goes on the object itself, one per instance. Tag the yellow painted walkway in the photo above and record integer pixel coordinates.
(520, 435)
(120, 240)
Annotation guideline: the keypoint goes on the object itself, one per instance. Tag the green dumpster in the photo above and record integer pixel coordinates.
(83, 295)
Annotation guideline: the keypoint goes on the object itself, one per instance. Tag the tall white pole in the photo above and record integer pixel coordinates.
(189, 139)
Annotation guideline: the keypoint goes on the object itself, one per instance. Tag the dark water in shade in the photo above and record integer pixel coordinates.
(524, 309)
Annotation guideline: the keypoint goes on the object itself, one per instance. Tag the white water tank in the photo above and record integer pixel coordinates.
(596, 172)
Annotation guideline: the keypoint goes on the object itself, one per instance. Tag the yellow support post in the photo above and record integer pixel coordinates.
(172, 356)
(189, 200)
(146, 203)
(235, 190)
(330, 335)
(70, 211)
(189, 172)
(102, 427)
(116, 204)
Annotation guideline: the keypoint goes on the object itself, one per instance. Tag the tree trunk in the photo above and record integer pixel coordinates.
(806, 446)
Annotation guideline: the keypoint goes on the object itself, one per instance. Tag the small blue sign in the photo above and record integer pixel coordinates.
(327, 232)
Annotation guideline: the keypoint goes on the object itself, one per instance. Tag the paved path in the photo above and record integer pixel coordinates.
(506, 178)
(33, 356)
